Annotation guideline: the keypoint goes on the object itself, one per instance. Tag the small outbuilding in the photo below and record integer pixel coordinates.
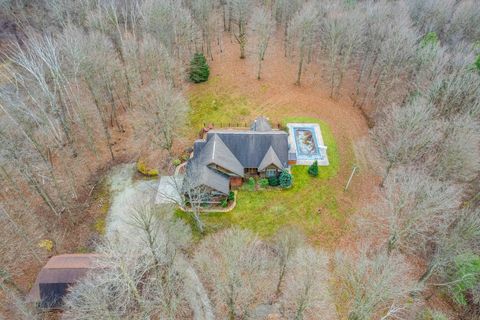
(57, 275)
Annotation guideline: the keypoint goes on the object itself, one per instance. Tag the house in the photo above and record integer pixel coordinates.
(57, 275)
(227, 157)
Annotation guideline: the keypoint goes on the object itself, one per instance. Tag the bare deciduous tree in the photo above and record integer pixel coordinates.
(386, 55)
(415, 211)
(458, 153)
(90, 58)
(172, 25)
(263, 27)
(235, 266)
(431, 15)
(406, 135)
(34, 66)
(340, 36)
(302, 35)
(462, 237)
(430, 60)
(205, 17)
(284, 11)
(159, 231)
(372, 284)
(16, 305)
(306, 293)
(286, 243)
(17, 229)
(240, 11)
(455, 88)
(135, 279)
(189, 193)
(164, 112)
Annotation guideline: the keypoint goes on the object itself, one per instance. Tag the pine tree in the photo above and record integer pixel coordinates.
(273, 181)
(285, 179)
(313, 169)
(199, 70)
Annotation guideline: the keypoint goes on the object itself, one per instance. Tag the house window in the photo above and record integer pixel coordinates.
(271, 172)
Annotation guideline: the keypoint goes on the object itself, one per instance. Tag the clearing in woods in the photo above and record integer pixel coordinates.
(319, 205)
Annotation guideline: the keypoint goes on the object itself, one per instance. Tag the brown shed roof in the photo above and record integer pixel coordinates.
(65, 268)
(72, 261)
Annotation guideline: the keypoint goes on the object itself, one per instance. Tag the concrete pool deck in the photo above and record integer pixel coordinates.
(298, 143)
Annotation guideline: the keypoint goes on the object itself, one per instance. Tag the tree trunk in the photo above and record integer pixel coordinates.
(300, 309)
(299, 72)
(392, 242)
(242, 37)
(42, 193)
(229, 19)
(259, 68)
(427, 274)
(102, 119)
(198, 221)
(224, 17)
(280, 280)
(231, 303)
(387, 172)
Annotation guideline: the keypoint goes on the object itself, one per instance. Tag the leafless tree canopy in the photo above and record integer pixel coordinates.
(416, 211)
(373, 285)
(302, 35)
(306, 287)
(148, 276)
(78, 77)
(406, 134)
(263, 28)
(236, 267)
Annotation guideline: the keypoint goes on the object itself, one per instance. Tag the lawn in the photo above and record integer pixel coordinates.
(212, 107)
(311, 204)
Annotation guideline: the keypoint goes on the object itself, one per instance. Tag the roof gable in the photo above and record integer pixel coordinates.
(270, 158)
(199, 174)
(215, 151)
(250, 147)
(216, 181)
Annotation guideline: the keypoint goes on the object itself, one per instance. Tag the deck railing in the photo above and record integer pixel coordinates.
(240, 125)
(232, 125)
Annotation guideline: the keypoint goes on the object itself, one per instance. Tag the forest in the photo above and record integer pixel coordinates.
(88, 85)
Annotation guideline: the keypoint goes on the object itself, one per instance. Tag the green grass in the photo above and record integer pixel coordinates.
(265, 211)
(328, 139)
(310, 204)
(102, 196)
(208, 106)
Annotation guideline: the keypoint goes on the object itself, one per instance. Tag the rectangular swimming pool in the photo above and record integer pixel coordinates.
(306, 142)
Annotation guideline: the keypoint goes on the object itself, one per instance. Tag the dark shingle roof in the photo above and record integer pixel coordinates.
(270, 158)
(198, 146)
(216, 152)
(198, 174)
(236, 150)
(250, 147)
